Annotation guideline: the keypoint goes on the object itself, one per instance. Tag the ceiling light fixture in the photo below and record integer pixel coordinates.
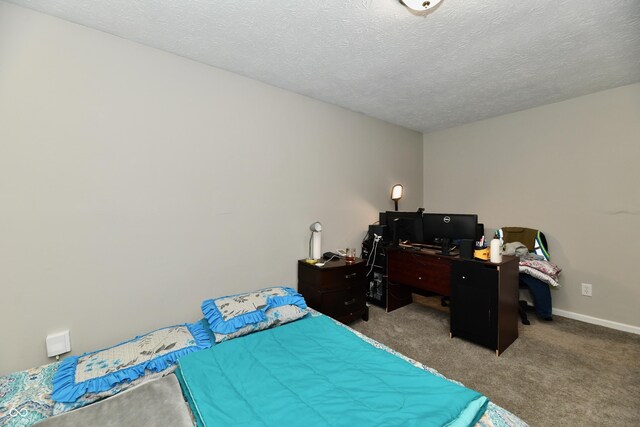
(420, 7)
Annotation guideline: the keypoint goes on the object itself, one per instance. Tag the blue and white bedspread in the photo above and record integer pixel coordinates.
(312, 372)
(25, 397)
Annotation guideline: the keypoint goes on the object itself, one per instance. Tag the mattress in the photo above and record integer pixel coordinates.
(25, 395)
(313, 372)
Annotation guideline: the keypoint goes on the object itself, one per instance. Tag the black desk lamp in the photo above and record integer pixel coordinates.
(396, 194)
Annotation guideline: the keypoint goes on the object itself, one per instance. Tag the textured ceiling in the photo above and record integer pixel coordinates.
(466, 61)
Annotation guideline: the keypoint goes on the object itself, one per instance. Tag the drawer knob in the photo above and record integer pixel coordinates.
(350, 276)
(350, 302)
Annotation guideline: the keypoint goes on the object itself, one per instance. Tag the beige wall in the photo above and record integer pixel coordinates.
(570, 169)
(134, 184)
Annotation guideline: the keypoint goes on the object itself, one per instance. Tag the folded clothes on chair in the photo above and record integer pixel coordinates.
(536, 272)
(515, 248)
(545, 267)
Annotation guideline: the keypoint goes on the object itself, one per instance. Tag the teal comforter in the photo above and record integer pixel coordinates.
(315, 373)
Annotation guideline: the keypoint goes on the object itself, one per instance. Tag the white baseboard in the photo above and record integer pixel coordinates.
(596, 321)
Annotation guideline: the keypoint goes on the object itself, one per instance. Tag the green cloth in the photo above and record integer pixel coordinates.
(313, 372)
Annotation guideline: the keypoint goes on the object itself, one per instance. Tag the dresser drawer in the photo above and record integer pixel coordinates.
(337, 289)
(343, 302)
(334, 303)
(328, 278)
(424, 271)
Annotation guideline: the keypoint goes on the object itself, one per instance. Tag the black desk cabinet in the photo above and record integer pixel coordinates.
(484, 302)
(336, 289)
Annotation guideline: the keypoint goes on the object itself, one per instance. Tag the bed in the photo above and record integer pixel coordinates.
(290, 375)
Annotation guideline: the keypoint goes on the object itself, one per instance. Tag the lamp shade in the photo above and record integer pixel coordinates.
(396, 194)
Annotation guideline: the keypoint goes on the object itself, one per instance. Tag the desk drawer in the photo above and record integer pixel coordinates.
(427, 272)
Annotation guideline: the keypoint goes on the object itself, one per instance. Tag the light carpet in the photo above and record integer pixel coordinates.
(559, 373)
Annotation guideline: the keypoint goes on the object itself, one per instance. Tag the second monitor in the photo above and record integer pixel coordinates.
(402, 226)
(444, 228)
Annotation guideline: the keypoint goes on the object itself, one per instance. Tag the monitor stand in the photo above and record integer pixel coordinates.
(446, 248)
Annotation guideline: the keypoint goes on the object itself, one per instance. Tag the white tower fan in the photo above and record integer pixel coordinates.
(315, 242)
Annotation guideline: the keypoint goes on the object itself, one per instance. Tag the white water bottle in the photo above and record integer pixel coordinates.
(495, 251)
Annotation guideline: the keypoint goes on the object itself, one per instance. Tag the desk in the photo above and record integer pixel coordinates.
(484, 296)
(420, 271)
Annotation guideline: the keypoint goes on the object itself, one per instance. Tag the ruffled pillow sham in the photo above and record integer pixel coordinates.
(227, 315)
(97, 371)
(89, 398)
(274, 317)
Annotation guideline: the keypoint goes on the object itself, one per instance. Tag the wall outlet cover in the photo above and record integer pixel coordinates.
(58, 344)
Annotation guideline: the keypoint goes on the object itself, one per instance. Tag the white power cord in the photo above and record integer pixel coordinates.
(374, 252)
(320, 264)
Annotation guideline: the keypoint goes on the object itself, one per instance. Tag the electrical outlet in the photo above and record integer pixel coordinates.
(587, 290)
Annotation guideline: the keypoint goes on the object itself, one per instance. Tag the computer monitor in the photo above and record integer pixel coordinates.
(402, 226)
(387, 218)
(407, 230)
(446, 228)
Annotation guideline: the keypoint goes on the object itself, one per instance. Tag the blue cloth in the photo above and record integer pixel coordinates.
(313, 372)
(540, 293)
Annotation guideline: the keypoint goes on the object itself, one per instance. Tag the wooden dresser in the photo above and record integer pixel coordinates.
(336, 289)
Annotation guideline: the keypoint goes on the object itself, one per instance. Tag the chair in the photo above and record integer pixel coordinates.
(540, 293)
